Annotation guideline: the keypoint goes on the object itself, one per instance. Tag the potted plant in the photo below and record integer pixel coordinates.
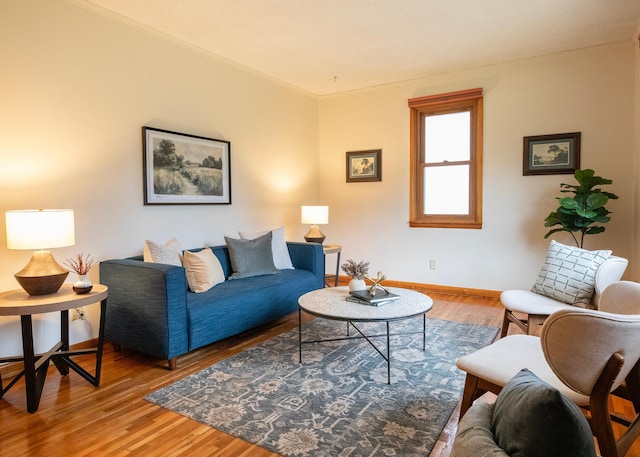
(357, 271)
(81, 265)
(584, 210)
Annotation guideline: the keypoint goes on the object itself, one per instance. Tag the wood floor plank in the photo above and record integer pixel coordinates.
(77, 419)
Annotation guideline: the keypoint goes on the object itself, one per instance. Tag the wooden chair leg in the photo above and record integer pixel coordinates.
(511, 318)
(470, 394)
(599, 406)
(173, 363)
(534, 321)
(632, 382)
(505, 324)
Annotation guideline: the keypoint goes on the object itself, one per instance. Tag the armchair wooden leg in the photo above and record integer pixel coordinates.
(599, 406)
(534, 321)
(505, 324)
(470, 393)
(173, 363)
(632, 382)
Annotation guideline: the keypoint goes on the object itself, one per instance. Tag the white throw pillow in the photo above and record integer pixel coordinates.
(203, 270)
(169, 252)
(281, 257)
(568, 274)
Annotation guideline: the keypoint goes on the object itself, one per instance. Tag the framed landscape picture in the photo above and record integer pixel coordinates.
(182, 169)
(551, 154)
(364, 166)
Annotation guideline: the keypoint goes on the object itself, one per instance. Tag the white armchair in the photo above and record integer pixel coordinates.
(585, 354)
(528, 310)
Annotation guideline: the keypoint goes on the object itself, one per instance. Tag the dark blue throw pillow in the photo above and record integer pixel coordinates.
(533, 419)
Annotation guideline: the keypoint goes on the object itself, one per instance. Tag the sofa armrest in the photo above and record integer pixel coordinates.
(308, 256)
(147, 307)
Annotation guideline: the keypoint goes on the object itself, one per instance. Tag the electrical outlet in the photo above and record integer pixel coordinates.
(432, 264)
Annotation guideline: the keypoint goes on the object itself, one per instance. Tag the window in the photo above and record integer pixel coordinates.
(446, 160)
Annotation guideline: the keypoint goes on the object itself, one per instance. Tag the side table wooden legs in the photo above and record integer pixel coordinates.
(35, 368)
(19, 303)
(36, 365)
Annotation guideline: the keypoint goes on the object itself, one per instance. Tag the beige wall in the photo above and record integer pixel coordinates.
(587, 91)
(77, 87)
(636, 162)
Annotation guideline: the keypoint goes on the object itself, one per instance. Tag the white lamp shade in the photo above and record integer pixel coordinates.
(40, 229)
(315, 214)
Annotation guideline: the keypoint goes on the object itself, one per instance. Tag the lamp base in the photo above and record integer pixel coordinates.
(42, 275)
(314, 235)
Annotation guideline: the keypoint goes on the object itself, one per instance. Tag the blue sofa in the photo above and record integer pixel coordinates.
(151, 309)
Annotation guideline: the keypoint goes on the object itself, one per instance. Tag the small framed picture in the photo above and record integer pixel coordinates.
(182, 169)
(551, 154)
(364, 166)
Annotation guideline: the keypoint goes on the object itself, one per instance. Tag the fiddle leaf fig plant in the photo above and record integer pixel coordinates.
(584, 210)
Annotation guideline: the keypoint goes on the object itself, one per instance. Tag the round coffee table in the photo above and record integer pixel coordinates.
(331, 304)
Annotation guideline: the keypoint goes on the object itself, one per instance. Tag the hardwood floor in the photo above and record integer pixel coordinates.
(77, 419)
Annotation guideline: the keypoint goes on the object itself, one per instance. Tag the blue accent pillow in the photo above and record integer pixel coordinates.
(533, 419)
(251, 257)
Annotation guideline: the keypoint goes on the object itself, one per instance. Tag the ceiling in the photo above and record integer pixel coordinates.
(328, 46)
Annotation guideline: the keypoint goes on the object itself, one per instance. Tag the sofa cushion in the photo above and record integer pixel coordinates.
(281, 257)
(169, 252)
(568, 274)
(203, 270)
(251, 257)
(533, 419)
(235, 306)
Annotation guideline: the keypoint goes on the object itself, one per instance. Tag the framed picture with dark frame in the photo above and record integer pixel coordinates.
(364, 166)
(551, 154)
(183, 169)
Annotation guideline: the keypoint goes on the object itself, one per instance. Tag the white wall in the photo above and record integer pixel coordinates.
(75, 90)
(588, 91)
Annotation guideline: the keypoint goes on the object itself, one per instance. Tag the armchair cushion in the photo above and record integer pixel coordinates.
(531, 418)
(568, 274)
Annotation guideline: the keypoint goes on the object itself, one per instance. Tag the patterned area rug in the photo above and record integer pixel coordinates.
(337, 403)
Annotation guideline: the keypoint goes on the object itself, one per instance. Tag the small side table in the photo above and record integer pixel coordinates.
(333, 249)
(19, 303)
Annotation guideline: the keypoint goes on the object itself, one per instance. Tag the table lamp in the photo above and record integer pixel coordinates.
(315, 215)
(40, 229)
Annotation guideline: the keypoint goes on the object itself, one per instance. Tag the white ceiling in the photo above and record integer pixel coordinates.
(330, 46)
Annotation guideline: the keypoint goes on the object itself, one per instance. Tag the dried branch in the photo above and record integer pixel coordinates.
(357, 270)
(81, 265)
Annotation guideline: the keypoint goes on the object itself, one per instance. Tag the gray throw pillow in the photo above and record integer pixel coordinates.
(533, 419)
(251, 257)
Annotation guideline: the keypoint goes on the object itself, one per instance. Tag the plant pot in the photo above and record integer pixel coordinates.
(82, 285)
(357, 284)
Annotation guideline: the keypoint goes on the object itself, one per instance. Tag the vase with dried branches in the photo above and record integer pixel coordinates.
(81, 266)
(357, 271)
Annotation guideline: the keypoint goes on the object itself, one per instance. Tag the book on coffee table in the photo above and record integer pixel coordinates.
(381, 297)
(366, 303)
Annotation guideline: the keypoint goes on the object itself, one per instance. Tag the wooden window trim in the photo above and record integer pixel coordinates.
(443, 103)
